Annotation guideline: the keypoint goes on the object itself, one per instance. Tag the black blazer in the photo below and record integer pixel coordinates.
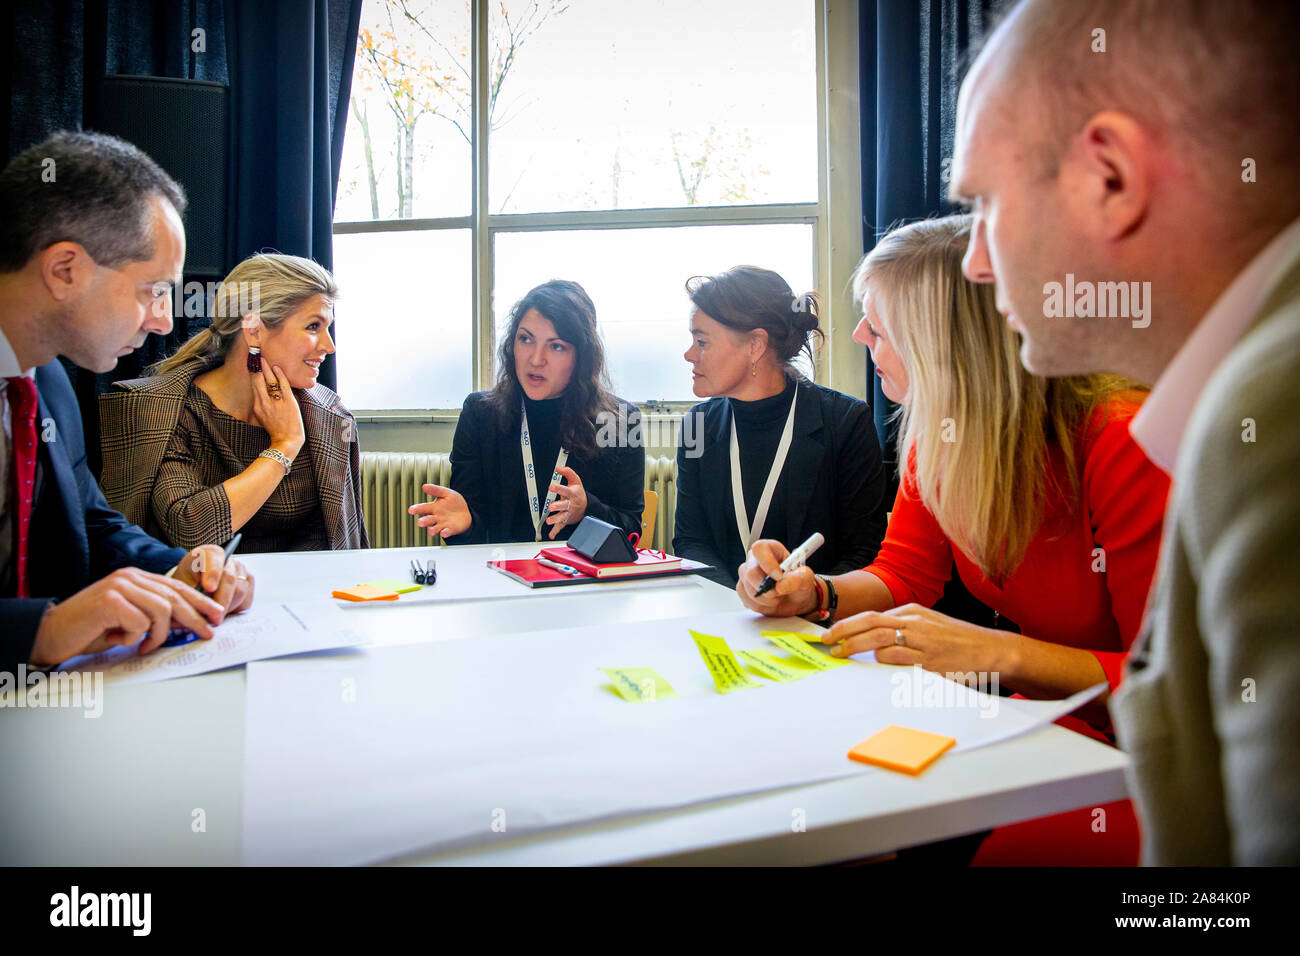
(833, 482)
(76, 538)
(487, 467)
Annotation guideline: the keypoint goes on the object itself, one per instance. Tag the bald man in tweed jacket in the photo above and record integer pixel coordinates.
(1132, 166)
(1210, 707)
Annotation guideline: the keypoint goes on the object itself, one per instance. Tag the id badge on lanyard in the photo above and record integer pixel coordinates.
(530, 476)
(749, 535)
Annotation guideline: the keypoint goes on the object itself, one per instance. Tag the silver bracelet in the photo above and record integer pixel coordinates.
(279, 458)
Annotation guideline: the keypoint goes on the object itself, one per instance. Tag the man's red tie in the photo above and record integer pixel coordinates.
(22, 405)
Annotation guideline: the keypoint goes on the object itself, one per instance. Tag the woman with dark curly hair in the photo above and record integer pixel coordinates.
(551, 413)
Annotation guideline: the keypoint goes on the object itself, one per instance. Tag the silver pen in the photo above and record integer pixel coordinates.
(572, 572)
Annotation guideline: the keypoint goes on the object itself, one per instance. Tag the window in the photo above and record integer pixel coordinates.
(630, 144)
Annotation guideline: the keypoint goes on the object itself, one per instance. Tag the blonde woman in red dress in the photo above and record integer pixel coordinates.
(1031, 489)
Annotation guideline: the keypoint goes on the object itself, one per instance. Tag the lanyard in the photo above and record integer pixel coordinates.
(526, 446)
(749, 535)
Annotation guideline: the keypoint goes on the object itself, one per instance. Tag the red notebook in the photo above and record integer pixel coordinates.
(528, 572)
(531, 574)
(647, 561)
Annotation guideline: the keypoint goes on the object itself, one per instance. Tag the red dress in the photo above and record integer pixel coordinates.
(1059, 593)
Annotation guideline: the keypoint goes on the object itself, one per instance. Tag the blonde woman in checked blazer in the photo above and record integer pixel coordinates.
(234, 433)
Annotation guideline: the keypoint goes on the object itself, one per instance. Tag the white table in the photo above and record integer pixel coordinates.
(127, 788)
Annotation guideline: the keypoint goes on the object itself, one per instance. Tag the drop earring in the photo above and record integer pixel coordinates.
(254, 360)
(753, 369)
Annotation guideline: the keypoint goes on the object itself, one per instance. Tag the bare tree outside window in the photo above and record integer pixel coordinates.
(419, 70)
(595, 110)
(716, 168)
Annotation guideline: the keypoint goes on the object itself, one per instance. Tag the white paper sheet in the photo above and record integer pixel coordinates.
(263, 631)
(393, 751)
(463, 575)
(481, 583)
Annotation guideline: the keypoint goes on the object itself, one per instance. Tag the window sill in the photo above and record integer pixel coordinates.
(659, 411)
(407, 416)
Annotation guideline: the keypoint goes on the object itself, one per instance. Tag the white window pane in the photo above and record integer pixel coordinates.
(652, 103)
(406, 152)
(636, 278)
(403, 318)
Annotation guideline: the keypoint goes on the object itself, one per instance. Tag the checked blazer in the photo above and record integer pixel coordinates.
(138, 417)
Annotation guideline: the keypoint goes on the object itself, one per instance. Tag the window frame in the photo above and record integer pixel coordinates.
(835, 216)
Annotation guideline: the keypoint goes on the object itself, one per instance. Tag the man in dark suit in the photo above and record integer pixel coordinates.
(91, 244)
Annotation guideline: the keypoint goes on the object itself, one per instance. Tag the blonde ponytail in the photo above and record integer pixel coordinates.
(269, 285)
(976, 422)
(202, 344)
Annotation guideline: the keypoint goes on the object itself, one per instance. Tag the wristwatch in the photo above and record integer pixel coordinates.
(279, 458)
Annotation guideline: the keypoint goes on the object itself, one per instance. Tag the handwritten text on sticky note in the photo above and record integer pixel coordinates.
(640, 685)
(795, 646)
(810, 638)
(722, 664)
(771, 666)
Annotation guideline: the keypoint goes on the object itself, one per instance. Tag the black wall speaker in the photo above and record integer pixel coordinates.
(185, 126)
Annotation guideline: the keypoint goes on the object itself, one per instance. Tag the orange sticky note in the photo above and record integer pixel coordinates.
(365, 592)
(901, 748)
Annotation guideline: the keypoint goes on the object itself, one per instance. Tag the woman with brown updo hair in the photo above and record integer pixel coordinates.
(776, 456)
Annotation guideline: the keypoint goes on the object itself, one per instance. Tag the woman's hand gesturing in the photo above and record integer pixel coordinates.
(570, 504)
(446, 515)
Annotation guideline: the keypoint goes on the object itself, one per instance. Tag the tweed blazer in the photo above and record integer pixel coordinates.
(137, 419)
(1210, 707)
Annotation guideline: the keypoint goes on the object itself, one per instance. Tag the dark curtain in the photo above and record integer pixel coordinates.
(913, 54)
(288, 65)
(290, 68)
(54, 52)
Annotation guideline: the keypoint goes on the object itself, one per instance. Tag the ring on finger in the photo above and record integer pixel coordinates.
(899, 639)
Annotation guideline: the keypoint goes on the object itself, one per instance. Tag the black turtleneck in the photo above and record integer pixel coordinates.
(487, 468)
(833, 480)
(758, 433)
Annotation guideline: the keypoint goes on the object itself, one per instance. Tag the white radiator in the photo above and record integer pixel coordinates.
(661, 478)
(391, 482)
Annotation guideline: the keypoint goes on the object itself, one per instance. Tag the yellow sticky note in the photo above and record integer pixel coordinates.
(810, 638)
(364, 592)
(388, 584)
(902, 749)
(794, 645)
(722, 664)
(769, 665)
(640, 685)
